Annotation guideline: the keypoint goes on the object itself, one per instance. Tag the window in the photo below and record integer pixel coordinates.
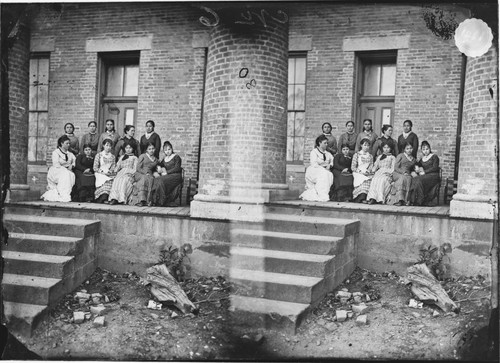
(38, 108)
(296, 107)
(120, 88)
(379, 80)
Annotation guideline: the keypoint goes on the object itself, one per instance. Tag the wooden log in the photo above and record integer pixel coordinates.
(428, 289)
(166, 289)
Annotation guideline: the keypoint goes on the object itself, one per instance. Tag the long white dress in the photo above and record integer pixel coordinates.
(60, 178)
(319, 178)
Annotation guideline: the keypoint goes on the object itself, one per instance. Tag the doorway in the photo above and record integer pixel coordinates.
(375, 89)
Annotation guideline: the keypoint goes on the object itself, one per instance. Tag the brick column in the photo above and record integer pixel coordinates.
(243, 151)
(19, 105)
(478, 174)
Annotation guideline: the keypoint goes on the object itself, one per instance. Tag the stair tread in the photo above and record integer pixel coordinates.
(267, 306)
(27, 280)
(273, 277)
(43, 237)
(285, 255)
(27, 256)
(48, 220)
(286, 235)
(308, 219)
(23, 310)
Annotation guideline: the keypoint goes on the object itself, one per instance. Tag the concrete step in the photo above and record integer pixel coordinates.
(39, 243)
(284, 262)
(70, 227)
(283, 241)
(272, 314)
(277, 286)
(23, 318)
(36, 264)
(34, 290)
(336, 227)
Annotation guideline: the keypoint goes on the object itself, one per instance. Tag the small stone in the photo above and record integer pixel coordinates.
(415, 314)
(343, 300)
(361, 320)
(350, 314)
(96, 294)
(99, 321)
(88, 316)
(78, 317)
(367, 298)
(83, 290)
(358, 299)
(331, 326)
(154, 305)
(357, 293)
(174, 315)
(154, 316)
(66, 351)
(343, 294)
(359, 309)
(97, 310)
(259, 338)
(341, 315)
(106, 299)
(435, 313)
(413, 304)
(318, 343)
(96, 300)
(345, 289)
(246, 337)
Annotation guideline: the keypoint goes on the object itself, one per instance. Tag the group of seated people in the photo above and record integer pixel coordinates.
(371, 169)
(112, 169)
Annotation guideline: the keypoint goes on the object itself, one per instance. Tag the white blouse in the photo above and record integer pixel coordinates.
(59, 159)
(318, 160)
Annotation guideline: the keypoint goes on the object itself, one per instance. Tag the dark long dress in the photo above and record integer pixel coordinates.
(165, 185)
(412, 139)
(342, 182)
(422, 185)
(143, 179)
(155, 140)
(85, 183)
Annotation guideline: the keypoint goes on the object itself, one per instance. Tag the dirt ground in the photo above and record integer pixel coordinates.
(393, 331)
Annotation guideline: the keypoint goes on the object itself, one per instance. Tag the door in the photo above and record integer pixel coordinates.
(380, 112)
(376, 89)
(119, 89)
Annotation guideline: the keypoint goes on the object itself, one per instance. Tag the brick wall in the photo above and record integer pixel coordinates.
(171, 72)
(427, 79)
(478, 154)
(19, 106)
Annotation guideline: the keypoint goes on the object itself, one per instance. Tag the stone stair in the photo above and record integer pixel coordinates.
(45, 258)
(284, 266)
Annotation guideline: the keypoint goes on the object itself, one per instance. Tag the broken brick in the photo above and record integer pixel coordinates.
(341, 315)
(97, 310)
(78, 317)
(99, 321)
(82, 295)
(359, 309)
(361, 320)
(343, 294)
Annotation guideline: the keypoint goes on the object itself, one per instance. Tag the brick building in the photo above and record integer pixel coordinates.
(213, 78)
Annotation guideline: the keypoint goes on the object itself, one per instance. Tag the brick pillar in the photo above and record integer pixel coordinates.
(478, 174)
(18, 107)
(243, 151)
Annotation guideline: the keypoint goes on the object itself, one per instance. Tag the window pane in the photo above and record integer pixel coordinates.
(290, 128)
(43, 124)
(289, 149)
(33, 84)
(129, 116)
(41, 150)
(388, 80)
(114, 81)
(386, 116)
(291, 70)
(298, 148)
(290, 98)
(43, 84)
(299, 123)
(131, 81)
(33, 124)
(300, 97)
(32, 148)
(371, 80)
(300, 70)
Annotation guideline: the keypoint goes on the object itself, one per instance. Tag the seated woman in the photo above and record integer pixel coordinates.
(104, 166)
(85, 178)
(167, 177)
(60, 178)
(381, 182)
(362, 163)
(123, 184)
(404, 165)
(143, 177)
(342, 175)
(425, 177)
(319, 178)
